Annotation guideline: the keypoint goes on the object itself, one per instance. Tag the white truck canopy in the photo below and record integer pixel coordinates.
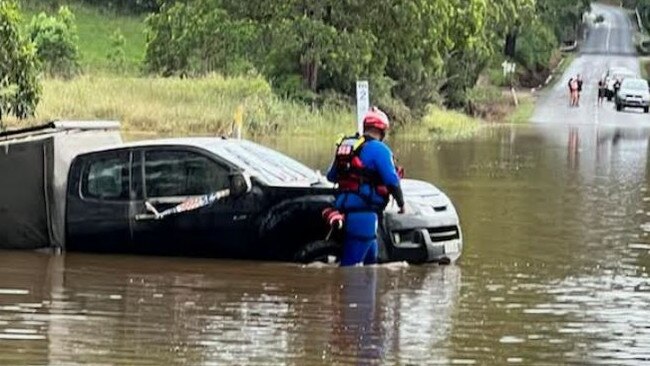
(34, 165)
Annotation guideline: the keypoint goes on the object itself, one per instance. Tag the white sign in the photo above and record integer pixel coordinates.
(363, 103)
(508, 67)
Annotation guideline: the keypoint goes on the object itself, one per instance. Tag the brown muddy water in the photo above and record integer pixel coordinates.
(554, 271)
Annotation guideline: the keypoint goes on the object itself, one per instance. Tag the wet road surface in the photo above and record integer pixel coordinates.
(556, 218)
(608, 44)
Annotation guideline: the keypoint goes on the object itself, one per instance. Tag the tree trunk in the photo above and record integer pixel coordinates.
(310, 74)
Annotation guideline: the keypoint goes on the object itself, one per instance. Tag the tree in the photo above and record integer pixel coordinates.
(563, 16)
(477, 45)
(196, 38)
(56, 42)
(413, 51)
(116, 55)
(19, 86)
(127, 6)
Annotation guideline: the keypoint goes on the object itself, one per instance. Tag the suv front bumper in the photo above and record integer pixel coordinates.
(418, 239)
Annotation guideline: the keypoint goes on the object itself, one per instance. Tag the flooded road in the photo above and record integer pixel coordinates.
(554, 271)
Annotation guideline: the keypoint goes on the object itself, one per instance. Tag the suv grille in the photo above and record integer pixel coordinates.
(443, 233)
(412, 238)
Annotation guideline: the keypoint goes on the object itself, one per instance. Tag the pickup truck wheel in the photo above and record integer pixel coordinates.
(619, 107)
(646, 109)
(319, 251)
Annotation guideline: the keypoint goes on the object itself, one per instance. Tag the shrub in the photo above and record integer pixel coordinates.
(19, 86)
(397, 111)
(56, 41)
(451, 124)
(116, 55)
(485, 101)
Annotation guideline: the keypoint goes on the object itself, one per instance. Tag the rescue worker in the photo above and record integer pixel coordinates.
(365, 172)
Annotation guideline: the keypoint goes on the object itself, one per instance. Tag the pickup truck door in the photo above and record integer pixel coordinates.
(98, 202)
(170, 176)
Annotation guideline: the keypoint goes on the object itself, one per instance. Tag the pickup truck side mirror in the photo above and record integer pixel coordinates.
(240, 184)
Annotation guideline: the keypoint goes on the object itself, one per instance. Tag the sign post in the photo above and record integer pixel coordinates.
(363, 103)
(239, 120)
(509, 68)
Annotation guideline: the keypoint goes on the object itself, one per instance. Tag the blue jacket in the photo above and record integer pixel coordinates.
(376, 156)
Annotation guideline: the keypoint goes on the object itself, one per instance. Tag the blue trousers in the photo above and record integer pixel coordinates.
(360, 239)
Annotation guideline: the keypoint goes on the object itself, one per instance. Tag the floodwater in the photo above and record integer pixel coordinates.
(554, 271)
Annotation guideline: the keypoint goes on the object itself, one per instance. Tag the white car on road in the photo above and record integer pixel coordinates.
(633, 93)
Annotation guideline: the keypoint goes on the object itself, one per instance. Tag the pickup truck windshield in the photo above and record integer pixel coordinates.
(268, 165)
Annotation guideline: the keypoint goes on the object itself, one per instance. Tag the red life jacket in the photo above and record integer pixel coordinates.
(352, 173)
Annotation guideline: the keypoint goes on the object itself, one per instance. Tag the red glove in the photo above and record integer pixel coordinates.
(333, 217)
(400, 172)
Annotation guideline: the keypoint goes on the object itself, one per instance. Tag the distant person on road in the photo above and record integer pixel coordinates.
(579, 80)
(617, 86)
(602, 89)
(573, 92)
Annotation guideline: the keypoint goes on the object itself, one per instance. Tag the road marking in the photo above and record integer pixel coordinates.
(609, 33)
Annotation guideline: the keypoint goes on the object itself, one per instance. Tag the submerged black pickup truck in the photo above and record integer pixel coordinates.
(77, 187)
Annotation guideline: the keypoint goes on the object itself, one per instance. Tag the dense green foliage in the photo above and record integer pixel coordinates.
(562, 16)
(410, 52)
(19, 87)
(643, 6)
(126, 6)
(55, 38)
(414, 54)
(536, 45)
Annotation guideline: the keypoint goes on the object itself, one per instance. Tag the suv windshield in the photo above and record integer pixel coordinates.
(635, 84)
(266, 164)
(622, 75)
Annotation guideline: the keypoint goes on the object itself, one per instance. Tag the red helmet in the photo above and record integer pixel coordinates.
(377, 119)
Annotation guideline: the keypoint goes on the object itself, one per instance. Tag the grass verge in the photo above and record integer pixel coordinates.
(644, 65)
(524, 111)
(439, 123)
(182, 106)
(174, 106)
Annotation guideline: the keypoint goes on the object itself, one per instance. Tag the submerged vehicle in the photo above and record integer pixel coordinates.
(214, 197)
(633, 93)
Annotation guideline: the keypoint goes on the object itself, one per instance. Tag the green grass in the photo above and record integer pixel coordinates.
(201, 106)
(644, 65)
(439, 123)
(184, 106)
(95, 28)
(523, 112)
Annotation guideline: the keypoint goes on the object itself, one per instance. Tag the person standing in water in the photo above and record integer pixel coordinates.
(366, 175)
